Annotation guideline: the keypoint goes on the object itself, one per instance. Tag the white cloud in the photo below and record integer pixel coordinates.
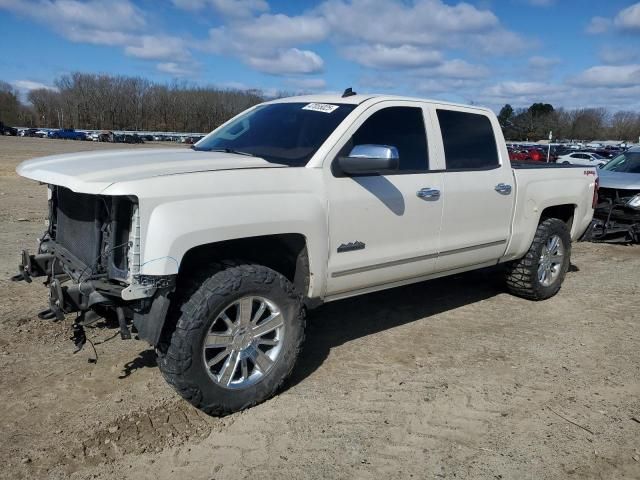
(538, 61)
(268, 43)
(230, 8)
(379, 34)
(175, 69)
(281, 30)
(306, 84)
(288, 62)
(629, 18)
(157, 48)
(386, 57)
(27, 85)
(515, 90)
(69, 16)
(460, 69)
(598, 25)
(618, 55)
(421, 23)
(608, 76)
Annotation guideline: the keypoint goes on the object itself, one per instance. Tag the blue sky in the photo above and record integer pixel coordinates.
(571, 53)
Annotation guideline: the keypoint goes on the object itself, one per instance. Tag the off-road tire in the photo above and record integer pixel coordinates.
(522, 275)
(180, 355)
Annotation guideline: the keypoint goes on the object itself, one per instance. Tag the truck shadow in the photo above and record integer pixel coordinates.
(339, 322)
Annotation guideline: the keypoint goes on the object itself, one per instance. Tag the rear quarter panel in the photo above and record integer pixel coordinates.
(538, 189)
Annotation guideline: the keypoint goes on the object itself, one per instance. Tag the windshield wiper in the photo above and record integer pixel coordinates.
(230, 150)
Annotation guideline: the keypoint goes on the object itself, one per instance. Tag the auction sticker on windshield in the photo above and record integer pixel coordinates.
(320, 107)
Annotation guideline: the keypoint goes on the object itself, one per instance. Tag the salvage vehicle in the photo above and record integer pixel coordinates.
(215, 253)
(617, 214)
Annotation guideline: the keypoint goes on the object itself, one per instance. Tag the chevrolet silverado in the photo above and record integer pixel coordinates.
(214, 253)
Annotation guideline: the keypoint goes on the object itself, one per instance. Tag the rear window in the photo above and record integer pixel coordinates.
(469, 142)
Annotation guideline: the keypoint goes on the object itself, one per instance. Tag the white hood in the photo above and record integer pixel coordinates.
(93, 172)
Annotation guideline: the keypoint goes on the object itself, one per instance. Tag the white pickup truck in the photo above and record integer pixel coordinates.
(214, 253)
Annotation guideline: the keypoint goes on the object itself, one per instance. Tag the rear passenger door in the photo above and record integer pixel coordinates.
(478, 189)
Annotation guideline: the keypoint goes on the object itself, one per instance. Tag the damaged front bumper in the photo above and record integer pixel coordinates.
(614, 222)
(144, 302)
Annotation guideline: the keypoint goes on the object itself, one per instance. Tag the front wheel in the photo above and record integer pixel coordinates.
(236, 340)
(540, 273)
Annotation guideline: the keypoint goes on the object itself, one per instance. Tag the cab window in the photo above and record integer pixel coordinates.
(469, 142)
(400, 127)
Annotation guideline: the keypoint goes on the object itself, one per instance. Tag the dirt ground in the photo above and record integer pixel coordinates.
(452, 378)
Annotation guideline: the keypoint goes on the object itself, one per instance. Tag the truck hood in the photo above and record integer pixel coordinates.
(93, 172)
(619, 180)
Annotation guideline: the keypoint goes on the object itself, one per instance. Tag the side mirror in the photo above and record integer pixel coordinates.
(370, 159)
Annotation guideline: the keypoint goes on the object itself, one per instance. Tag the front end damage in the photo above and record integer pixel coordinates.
(616, 217)
(90, 258)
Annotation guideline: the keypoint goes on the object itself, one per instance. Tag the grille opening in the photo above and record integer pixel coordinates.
(123, 209)
(79, 218)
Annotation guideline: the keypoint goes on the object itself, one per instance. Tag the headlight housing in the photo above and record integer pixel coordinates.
(634, 202)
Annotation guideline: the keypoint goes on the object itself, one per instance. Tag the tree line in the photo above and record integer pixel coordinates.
(535, 123)
(107, 102)
(117, 102)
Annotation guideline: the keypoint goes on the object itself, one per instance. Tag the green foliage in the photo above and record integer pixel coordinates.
(505, 115)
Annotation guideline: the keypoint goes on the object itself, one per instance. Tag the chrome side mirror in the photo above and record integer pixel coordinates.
(370, 159)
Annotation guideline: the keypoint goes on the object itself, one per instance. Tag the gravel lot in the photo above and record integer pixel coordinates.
(452, 378)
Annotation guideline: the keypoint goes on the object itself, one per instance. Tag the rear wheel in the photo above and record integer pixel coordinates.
(236, 340)
(540, 273)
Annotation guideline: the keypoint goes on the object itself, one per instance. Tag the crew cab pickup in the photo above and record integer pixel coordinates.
(214, 253)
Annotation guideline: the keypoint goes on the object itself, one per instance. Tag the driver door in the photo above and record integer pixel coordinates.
(380, 230)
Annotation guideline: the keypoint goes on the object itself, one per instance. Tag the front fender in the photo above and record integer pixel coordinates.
(175, 227)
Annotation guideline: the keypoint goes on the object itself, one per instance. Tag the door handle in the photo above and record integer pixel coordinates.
(503, 188)
(428, 194)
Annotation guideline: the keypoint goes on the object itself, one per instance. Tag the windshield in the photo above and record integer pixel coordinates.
(288, 133)
(628, 162)
(595, 155)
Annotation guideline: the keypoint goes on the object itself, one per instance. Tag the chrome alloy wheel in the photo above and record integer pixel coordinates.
(551, 260)
(243, 342)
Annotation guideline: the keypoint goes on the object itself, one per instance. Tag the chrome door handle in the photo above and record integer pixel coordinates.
(428, 194)
(503, 188)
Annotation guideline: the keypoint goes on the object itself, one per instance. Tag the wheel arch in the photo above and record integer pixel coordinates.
(565, 212)
(285, 253)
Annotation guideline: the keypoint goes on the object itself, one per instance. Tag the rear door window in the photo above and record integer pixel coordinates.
(468, 139)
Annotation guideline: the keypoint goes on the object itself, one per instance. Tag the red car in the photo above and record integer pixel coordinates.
(530, 154)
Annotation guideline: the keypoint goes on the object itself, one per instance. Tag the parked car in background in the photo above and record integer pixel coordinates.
(528, 154)
(67, 134)
(617, 214)
(193, 139)
(7, 130)
(583, 158)
(29, 132)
